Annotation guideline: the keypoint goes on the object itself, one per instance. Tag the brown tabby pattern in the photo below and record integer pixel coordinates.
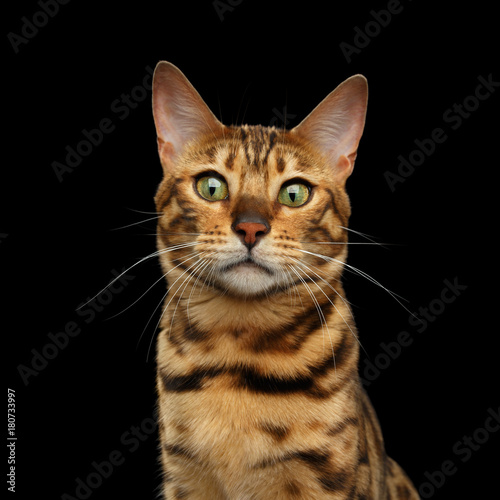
(259, 394)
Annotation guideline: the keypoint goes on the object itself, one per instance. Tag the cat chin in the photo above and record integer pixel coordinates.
(249, 280)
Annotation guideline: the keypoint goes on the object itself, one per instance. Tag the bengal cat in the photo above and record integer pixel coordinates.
(257, 354)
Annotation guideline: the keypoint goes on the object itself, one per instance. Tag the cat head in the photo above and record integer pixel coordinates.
(251, 210)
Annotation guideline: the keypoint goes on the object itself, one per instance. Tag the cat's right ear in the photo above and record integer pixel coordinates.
(180, 114)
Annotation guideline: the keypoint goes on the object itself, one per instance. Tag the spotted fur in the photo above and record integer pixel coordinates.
(257, 354)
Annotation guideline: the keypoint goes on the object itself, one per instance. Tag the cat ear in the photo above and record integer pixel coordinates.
(335, 126)
(180, 114)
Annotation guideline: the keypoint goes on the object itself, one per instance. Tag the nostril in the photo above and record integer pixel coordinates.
(250, 231)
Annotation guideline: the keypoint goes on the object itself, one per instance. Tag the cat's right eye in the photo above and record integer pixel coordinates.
(212, 188)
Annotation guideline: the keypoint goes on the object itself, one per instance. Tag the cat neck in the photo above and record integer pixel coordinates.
(231, 329)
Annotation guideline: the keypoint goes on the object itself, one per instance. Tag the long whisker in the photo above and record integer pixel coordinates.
(135, 223)
(192, 256)
(165, 308)
(143, 259)
(324, 280)
(363, 235)
(345, 243)
(344, 299)
(290, 280)
(318, 308)
(143, 212)
(197, 266)
(195, 283)
(329, 300)
(357, 271)
(183, 289)
(181, 234)
(208, 278)
(187, 280)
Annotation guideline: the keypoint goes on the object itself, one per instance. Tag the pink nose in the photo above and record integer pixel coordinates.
(251, 230)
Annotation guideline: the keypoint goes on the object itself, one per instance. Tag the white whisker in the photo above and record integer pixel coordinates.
(143, 212)
(143, 259)
(290, 280)
(180, 234)
(208, 278)
(192, 256)
(318, 308)
(363, 235)
(199, 267)
(357, 271)
(329, 300)
(195, 283)
(344, 243)
(322, 279)
(166, 306)
(135, 223)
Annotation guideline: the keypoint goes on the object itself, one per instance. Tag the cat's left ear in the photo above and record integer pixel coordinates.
(180, 114)
(335, 126)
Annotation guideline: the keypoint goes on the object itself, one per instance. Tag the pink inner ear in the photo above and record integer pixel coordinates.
(180, 113)
(335, 126)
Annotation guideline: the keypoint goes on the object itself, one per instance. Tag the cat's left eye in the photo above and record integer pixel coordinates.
(212, 188)
(294, 194)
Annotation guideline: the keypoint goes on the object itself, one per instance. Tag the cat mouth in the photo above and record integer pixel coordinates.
(246, 276)
(248, 263)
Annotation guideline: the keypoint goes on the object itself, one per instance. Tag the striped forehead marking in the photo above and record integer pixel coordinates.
(257, 143)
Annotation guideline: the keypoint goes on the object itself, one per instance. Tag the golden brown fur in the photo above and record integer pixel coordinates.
(259, 396)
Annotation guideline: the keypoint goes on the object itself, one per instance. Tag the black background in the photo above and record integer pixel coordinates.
(59, 244)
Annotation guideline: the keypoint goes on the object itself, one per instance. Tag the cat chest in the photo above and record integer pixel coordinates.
(243, 428)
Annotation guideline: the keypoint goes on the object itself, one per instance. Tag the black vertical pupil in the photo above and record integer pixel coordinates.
(212, 190)
(292, 196)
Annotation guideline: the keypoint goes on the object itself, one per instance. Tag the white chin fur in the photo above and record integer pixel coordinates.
(248, 280)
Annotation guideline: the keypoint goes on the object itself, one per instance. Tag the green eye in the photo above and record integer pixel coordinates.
(212, 188)
(293, 195)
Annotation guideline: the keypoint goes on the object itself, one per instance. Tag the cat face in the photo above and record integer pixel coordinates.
(251, 210)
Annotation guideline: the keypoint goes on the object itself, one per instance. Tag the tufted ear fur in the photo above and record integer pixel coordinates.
(335, 126)
(180, 114)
